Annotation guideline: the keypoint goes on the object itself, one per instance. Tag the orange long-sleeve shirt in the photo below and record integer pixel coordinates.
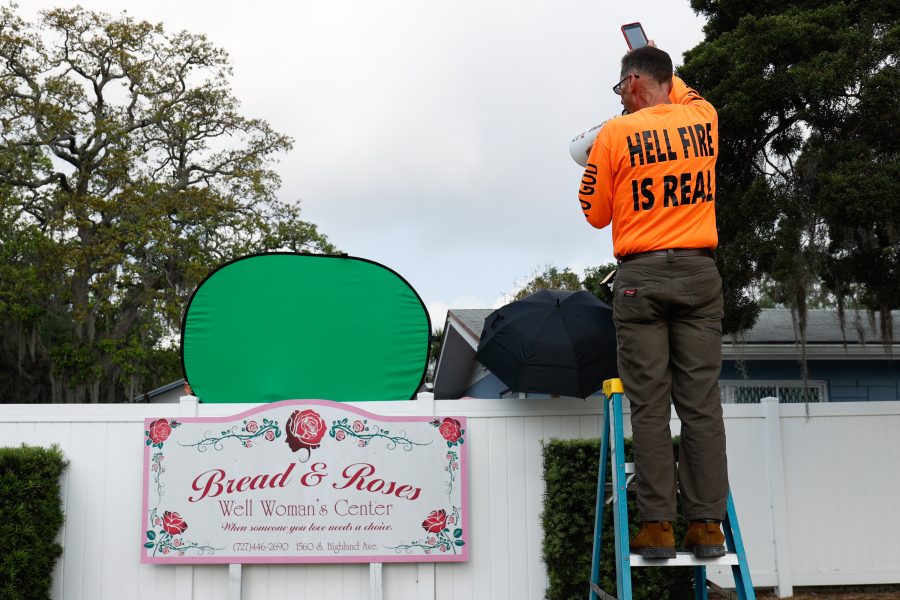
(652, 174)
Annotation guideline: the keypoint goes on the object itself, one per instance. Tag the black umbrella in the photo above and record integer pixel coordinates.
(552, 342)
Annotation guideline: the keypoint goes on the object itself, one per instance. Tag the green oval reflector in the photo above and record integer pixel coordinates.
(280, 326)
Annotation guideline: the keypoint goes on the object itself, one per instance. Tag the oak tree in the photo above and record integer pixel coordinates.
(127, 172)
(808, 94)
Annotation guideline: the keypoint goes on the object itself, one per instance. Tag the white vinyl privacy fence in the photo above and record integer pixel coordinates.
(817, 489)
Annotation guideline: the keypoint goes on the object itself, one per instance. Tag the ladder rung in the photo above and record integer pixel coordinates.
(684, 559)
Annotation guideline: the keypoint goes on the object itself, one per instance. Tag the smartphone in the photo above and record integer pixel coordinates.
(634, 35)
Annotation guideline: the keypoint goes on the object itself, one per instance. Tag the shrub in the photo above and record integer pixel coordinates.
(30, 517)
(570, 473)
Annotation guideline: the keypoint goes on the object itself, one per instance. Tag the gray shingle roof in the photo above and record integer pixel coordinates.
(472, 318)
(776, 325)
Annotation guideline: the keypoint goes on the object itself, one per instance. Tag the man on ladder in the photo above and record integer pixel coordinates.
(651, 173)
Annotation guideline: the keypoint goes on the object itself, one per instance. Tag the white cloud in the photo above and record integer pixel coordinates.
(431, 137)
(437, 309)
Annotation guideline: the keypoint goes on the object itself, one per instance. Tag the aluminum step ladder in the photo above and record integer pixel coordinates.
(612, 443)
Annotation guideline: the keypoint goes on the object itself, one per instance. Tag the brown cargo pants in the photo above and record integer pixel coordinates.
(668, 315)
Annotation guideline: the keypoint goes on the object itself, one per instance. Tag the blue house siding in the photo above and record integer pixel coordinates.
(848, 380)
(843, 368)
(488, 387)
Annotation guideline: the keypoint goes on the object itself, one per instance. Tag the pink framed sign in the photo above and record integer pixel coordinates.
(307, 481)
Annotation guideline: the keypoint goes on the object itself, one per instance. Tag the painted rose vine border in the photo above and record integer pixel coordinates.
(304, 432)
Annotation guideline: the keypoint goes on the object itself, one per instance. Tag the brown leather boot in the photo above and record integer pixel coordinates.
(705, 539)
(655, 540)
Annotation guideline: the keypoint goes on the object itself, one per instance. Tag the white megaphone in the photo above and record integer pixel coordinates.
(580, 146)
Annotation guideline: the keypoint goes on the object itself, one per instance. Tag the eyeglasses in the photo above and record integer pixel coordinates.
(617, 89)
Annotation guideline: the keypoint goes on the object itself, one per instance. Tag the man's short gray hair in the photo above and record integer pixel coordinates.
(649, 61)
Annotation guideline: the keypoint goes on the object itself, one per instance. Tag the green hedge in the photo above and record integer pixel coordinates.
(30, 517)
(570, 473)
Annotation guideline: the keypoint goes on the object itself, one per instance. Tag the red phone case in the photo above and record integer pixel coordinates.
(632, 25)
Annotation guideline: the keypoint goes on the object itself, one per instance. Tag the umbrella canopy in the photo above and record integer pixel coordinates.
(552, 342)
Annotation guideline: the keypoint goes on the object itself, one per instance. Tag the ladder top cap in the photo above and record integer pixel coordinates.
(612, 386)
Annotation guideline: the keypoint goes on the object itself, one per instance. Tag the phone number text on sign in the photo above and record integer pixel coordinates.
(304, 481)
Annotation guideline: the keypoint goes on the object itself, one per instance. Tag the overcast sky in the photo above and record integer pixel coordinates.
(432, 137)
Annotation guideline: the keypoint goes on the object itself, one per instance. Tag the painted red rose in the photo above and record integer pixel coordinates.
(305, 429)
(435, 522)
(450, 428)
(358, 426)
(270, 435)
(172, 523)
(252, 427)
(159, 431)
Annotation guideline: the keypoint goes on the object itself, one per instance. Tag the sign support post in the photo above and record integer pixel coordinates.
(375, 587)
(234, 581)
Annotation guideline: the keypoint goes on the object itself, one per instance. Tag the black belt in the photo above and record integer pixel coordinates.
(672, 252)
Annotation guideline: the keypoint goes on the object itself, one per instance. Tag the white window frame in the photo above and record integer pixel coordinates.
(727, 387)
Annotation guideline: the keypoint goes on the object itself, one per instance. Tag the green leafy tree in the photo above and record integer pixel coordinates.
(126, 174)
(772, 294)
(550, 278)
(808, 94)
(555, 279)
(593, 281)
(435, 341)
